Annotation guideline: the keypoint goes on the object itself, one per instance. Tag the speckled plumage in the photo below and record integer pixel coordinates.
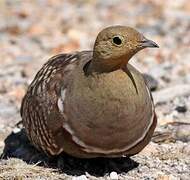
(82, 105)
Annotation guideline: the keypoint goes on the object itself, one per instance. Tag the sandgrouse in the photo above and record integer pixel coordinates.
(92, 103)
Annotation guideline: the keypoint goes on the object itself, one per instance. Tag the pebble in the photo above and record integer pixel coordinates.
(181, 108)
(82, 177)
(167, 177)
(16, 130)
(114, 176)
(183, 132)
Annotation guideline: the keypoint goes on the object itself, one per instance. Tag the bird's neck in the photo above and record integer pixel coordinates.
(105, 66)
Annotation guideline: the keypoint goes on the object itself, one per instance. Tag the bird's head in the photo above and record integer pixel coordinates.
(115, 45)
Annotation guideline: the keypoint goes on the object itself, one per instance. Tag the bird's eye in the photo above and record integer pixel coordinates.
(117, 40)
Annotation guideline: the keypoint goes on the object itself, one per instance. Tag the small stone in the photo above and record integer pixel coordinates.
(83, 177)
(167, 177)
(183, 132)
(16, 130)
(114, 176)
(181, 109)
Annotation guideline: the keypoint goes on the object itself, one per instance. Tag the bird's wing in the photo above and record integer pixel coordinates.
(40, 107)
(148, 87)
(50, 70)
(154, 117)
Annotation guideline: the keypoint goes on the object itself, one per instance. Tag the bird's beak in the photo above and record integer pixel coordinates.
(148, 43)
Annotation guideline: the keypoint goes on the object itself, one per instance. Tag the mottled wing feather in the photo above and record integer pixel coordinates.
(39, 111)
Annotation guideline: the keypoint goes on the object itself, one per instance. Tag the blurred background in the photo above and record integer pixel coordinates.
(32, 31)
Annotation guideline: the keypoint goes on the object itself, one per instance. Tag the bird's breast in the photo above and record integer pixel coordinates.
(107, 112)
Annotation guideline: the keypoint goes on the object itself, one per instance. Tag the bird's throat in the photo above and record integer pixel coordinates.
(104, 66)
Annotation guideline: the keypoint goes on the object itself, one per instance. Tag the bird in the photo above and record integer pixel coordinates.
(91, 104)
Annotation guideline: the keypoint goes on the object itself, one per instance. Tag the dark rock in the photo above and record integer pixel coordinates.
(181, 108)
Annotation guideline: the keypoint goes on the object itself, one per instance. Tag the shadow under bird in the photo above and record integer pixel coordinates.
(92, 103)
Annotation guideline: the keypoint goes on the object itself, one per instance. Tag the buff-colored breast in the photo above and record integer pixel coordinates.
(107, 113)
